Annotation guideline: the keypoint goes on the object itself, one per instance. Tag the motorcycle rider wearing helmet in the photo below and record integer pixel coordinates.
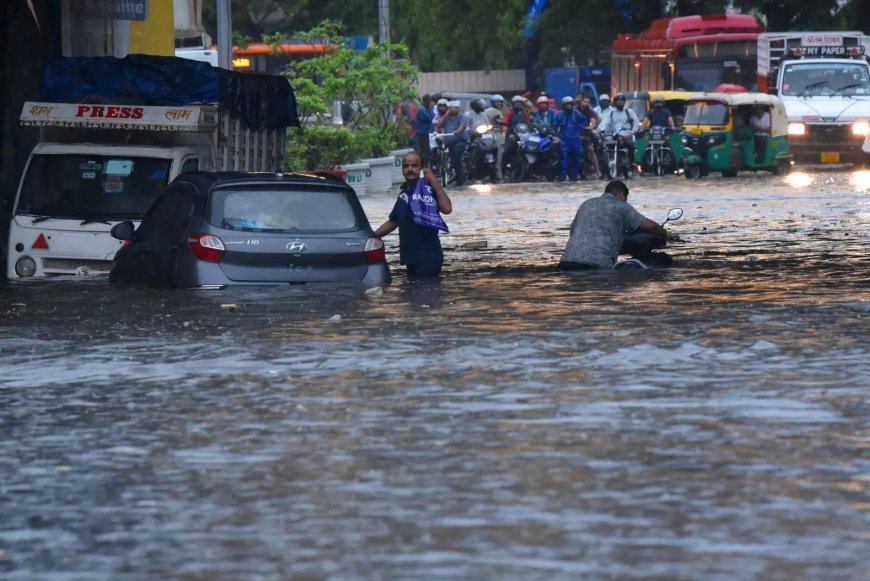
(518, 114)
(569, 122)
(659, 115)
(454, 126)
(543, 116)
(623, 121)
(476, 115)
(496, 118)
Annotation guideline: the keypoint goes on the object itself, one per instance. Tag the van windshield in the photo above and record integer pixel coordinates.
(706, 113)
(825, 79)
(92, 186)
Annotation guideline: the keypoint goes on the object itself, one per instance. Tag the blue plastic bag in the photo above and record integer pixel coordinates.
(424, 206)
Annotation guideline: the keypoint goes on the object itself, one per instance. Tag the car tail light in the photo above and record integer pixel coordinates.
(206, 247)
(374, 251)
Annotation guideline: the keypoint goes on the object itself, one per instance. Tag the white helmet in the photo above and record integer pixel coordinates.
(517, 99)
(604, 97)
(442, 102)
(566, 100)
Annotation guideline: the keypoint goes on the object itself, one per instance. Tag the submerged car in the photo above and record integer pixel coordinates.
(212, 230)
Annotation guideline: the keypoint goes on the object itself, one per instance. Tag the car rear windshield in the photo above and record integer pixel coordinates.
(92, 186)
(283, 210)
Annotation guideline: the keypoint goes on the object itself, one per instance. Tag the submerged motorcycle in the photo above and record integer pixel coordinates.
(642, 247)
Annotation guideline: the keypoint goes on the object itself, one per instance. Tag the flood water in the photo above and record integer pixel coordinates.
(709, 420)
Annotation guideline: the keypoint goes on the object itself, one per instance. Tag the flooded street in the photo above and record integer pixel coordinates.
(709, 420)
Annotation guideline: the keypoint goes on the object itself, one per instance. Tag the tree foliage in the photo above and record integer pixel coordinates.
(370, 84)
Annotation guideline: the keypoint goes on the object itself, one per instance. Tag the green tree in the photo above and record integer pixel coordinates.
(370, 84)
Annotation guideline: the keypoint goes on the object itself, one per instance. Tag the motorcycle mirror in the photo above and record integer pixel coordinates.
(674, 214)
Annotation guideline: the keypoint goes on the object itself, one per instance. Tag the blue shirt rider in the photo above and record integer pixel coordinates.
(569, 123)
(543, 116)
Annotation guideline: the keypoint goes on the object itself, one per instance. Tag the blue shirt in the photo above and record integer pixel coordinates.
(570, 125)
(418, 245)
(545, 118)
(423, 122)
(451, 124)
(659, 117)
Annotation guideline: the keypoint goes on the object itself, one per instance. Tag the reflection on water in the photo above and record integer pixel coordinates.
(707, 420)
(799, 179)
(861, 180)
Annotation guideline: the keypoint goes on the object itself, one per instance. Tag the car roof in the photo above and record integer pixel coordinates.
(205, 181)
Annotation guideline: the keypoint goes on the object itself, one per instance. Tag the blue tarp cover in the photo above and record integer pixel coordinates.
(261, 101)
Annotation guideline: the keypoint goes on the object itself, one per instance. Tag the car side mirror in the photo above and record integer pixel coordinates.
(123, 231)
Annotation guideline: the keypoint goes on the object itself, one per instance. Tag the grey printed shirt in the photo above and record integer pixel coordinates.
(598, 230)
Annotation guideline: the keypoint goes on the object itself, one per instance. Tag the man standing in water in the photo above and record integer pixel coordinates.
(599, 228)
(419, 246)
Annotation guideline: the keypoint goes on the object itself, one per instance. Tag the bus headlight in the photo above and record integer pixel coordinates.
(25, 267)
(861, 128)
(797, 129)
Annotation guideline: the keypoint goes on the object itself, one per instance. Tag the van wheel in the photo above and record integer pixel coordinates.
(729, 173)
(693, 171)
(781, 168)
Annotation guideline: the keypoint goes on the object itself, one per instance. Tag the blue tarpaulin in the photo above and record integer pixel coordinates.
(261, 101)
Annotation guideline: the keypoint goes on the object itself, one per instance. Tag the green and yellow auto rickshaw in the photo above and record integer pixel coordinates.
(660, 153)
(719, 135)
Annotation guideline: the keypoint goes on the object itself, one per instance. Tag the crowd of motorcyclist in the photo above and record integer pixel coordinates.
(578, 132)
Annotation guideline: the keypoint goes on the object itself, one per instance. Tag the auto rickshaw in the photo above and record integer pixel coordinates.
(675, 101)
(718, 135)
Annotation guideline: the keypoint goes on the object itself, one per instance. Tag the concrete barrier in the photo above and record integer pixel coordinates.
(357, 177)
(380, 175)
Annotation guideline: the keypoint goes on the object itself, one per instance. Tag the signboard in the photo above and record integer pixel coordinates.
(185, 118)
(828, 51)
(130, 10)
(822, 40)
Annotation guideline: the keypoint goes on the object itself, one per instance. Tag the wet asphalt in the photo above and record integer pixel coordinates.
(709, 420)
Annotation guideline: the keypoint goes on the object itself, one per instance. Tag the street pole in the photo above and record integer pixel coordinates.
(224, 34)
(384, 20)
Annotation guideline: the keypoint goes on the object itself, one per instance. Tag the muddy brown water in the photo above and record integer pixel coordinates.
(709, 420)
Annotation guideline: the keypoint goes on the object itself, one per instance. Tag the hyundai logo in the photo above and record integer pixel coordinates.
(297, 246)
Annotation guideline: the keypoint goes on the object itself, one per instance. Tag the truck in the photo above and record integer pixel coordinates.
(571, 81)
(824, 80)
(104, 154)
(687, 53)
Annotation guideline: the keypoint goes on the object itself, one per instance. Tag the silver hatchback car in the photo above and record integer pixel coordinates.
(212, 230)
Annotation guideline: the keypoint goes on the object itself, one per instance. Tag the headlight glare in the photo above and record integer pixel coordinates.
(861, 128)
(797, 129)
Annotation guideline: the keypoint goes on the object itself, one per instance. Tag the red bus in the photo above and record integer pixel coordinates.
(260, 57)
(691, 53)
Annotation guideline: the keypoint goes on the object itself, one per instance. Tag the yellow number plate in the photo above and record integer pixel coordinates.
(830, 157)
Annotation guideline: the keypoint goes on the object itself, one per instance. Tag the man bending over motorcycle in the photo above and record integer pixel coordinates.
(598, 232)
